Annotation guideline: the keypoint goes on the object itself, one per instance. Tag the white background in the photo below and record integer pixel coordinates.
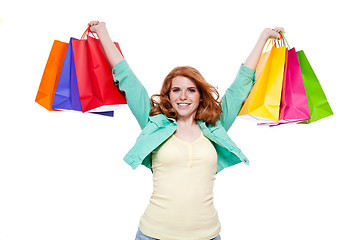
(62, 175)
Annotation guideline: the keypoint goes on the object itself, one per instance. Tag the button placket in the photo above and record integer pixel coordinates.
(190, 146)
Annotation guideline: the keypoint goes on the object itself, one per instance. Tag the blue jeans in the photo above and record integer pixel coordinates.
(142, 236)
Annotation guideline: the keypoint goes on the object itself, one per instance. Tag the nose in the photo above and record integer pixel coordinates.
(183, 95)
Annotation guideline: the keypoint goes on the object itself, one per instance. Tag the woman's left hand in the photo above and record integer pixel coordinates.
(266, 34)
(272, 33)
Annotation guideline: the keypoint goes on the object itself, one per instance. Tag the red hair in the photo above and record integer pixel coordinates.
(209, 109)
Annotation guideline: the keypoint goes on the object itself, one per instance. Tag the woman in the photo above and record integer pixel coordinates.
(183, 141)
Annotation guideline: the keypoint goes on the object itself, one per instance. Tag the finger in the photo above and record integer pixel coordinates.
(275, 34)
(279, 29)
(92, 23)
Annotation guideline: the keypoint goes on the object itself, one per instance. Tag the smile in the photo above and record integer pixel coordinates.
(183, 104)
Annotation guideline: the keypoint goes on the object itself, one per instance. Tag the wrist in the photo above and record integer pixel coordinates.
(102, 31)
(266, 34)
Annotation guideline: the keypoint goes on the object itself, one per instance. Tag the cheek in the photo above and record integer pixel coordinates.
(172, 97)
(196, 99)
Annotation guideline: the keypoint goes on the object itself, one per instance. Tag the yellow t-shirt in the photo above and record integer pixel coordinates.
(181, 206)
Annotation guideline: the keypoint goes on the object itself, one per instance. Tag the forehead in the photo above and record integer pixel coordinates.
(181, 81)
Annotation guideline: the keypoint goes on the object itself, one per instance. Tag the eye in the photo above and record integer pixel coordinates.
(176, 89)
(192, 90)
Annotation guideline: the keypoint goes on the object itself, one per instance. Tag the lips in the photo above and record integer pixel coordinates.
(183, 105)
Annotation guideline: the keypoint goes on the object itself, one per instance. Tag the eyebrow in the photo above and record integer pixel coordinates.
(187, 88)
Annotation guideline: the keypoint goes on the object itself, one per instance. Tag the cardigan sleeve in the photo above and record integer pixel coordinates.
(235, 95)
(137, 97)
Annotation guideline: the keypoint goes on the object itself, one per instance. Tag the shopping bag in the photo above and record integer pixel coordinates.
(258, 71)
(95, 81)
(319, 107)
(51, 74)
(294, 105)
(67, 93)
(263, 102)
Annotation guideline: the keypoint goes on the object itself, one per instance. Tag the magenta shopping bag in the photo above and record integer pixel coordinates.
(295, 106)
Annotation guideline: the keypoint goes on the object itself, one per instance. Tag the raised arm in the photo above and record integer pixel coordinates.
(254, 56)
(240, 88)
(136, 95)
(112, 53)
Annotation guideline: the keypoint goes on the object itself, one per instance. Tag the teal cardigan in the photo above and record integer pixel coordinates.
(157, 129)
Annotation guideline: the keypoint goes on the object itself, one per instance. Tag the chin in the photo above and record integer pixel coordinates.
(184, 114)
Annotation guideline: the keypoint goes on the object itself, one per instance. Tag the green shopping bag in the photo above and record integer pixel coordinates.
(318, 105)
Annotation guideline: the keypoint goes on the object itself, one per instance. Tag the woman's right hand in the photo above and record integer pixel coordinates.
(98, 27)
(111, 52)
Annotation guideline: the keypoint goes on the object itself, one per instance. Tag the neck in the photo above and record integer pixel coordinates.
(186, 122)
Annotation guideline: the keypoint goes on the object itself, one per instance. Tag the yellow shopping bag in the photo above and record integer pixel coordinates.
(262, 61)
(263, 102)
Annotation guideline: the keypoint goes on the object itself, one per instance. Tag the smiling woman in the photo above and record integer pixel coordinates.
(184, 97)
(207, 107)
(184, 141)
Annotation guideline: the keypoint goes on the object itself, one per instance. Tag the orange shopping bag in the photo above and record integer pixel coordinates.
(50, 78)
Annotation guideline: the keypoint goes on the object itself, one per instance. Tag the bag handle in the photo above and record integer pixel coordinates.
(284, 42)
(86, 33)
(267, 46)
(278, 42)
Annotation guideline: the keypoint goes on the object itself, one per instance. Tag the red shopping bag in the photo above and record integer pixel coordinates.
(95, 81)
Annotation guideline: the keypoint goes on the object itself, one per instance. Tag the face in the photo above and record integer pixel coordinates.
(184, 97)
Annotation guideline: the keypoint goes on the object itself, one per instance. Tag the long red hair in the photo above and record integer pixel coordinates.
(209, 109)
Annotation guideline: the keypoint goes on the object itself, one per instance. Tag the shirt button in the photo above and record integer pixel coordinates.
(114, 72)
(245, 160)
